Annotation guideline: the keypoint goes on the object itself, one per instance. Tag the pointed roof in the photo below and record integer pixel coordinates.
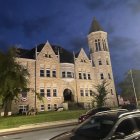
(95, 26)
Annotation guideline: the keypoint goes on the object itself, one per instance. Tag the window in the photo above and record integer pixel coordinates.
(81, 92)
(69, 74)
(48, 93)
(49, 107)
(90, 92)
(48, 56)
(54, 73)
(97, 45)
(104, 45)
(84, 75)
(102, 76)
(48, 73)
(89, 76)
(41, 73)
(54, 92)
(80, 75)
(63, 74)
(86, 92)
(42, 92)
(100, 62)
(23, 108)
(109, 77)
(24, 94)
(107, 62)
(126, 127)
(55, 106)
(111, 91)
(42, 108)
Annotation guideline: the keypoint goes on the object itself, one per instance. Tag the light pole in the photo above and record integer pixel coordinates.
(134, 88)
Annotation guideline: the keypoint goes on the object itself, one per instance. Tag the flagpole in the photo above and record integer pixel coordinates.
(134, 88)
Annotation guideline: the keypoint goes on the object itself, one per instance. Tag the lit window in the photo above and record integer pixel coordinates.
(48, 93)
(48, 73)
(81, 92)
(102, 76)
(54, 92)
(42, 92)
(41, 73)
(42, 108)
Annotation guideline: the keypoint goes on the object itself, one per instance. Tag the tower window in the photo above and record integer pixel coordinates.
(107, 62)
(104, 45)
(109, 76)
(102, 76)
(100, 62)
(97, 45)
(111, 92)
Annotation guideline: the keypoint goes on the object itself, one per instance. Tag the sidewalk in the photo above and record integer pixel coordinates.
(37, 126)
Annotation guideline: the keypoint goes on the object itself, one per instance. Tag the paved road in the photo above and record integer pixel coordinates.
(37, 135)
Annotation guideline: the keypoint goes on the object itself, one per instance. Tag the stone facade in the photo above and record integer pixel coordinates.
(63, 81)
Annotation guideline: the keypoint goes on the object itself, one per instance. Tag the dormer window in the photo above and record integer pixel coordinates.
(48, 56)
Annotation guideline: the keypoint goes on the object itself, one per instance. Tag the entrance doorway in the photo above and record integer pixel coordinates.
(67, 95)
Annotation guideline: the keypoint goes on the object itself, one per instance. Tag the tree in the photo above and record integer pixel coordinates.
(13, 79)
(126, 86)
(100, 95)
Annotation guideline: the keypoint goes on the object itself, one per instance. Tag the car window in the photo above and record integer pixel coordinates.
(96, 127)
(126, 127)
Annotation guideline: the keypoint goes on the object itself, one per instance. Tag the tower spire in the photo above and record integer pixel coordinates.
(95, 26)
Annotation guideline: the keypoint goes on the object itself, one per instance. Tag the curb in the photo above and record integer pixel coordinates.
(36, 127)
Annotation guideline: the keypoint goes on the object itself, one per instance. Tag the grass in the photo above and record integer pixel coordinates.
(15, 121)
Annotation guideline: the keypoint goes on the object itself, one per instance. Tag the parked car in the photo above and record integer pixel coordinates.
(118, 124)
(92, 112)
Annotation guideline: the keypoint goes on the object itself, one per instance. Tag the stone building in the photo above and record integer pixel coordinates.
(60, 76)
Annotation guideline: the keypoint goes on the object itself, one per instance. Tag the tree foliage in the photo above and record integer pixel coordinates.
(13, 78)
(126, 86)
(100, 95)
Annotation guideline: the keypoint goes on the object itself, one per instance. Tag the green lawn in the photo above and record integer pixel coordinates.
(15, 121)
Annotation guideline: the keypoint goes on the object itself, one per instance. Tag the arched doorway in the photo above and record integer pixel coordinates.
(67, 95)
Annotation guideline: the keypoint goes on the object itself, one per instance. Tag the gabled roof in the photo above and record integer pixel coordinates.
(95, 26)
(65, 55)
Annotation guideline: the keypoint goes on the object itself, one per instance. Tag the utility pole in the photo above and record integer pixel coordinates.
(134, 88)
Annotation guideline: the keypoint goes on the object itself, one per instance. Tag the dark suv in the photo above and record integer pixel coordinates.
(118, 124)
(92, 112)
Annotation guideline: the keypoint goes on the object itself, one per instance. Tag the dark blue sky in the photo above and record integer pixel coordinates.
(67, 22)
